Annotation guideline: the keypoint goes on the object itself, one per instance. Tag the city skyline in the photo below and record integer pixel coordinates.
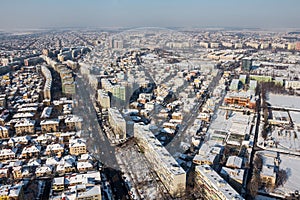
(133, 113)
(132, 13)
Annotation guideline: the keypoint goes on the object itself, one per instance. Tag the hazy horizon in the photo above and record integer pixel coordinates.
(37, 14)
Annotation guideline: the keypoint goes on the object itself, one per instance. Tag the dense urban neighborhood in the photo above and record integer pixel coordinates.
(149, 113)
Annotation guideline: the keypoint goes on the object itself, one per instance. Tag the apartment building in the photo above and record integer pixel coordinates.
(50, 125)
(73, 122)
(117, 123)
(48, 83)
(169, 171)
(213, 185)
(77, 186)
(55, 149)
(103, 98)
(77, 146)
(25, 126)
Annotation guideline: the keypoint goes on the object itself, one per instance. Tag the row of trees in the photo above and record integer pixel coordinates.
(265, 88)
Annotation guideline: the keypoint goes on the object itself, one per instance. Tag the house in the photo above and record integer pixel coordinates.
(52, 161)
(7, 154)
(209, 159)
(43, 171)
(84, 166)
(25, 126)
(4, 173)
(235, 177)
(57, 149)
(209, 154)
(11, 192)
(77, 186)
(16, 192)
(50, 125)
(3, 132)
(23, 140)
(30, 151)
(66, 165)
(77, 146)
(73, 122)
(58, 184)
(268, 171)
(17, 172)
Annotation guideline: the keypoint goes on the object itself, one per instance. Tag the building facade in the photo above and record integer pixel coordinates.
(103, 98)
(168, 170)
(213, 186)
(117, 123)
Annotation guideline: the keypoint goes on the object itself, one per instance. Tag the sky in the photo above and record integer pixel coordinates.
(18, 14)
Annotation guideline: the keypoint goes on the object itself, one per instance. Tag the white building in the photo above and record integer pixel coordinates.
(166, 167)
(213, 185)
(103, 98)
(117, 123)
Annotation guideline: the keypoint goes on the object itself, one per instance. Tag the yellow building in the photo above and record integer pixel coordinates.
(17, 172)
(6, 154)
(50, 125)
(3, 132)
(9, 192)
(77, 146)
(25, 126)
(57, 149)
(268, 175)
(73, 122)
(58, 184)
(4, 192)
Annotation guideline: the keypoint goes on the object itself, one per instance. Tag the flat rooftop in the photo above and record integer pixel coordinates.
(166, 159)
(284, 101)
(217, 182)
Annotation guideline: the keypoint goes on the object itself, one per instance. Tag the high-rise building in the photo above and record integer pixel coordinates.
(118, 44)
(117, 123)
(246, 64)
(103, 98)
(297, 46)
(111, 43)
(119, 92)
(69, 88)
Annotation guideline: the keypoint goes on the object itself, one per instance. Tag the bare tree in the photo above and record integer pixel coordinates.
(253, 186)
(282, 177)
(258, 162)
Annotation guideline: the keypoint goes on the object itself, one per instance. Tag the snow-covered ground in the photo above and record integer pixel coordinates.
(291, 164)
(136, 170)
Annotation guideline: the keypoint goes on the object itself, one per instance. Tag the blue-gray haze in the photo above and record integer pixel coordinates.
(17, 14)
